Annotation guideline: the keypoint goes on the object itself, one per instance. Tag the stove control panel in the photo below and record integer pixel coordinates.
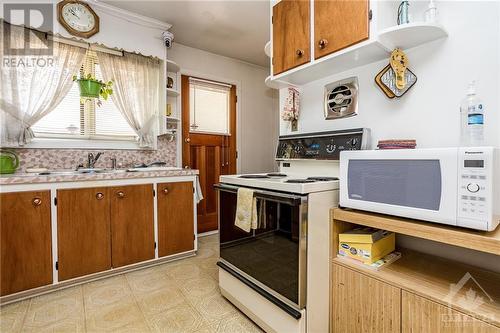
(321, 146)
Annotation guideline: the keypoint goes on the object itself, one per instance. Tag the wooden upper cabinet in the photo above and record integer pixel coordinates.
(26, 257)
(175, 218)
(420, 315)
(83, 231)
(339, 24)
(363, 304)
(291, 34)
(132, 224)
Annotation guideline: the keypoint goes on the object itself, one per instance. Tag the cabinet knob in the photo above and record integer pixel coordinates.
(186, 167)
(165, 190)
(120, 194)
(36, 202)
(187, 140)
(322, 43)
(299, 53)
(99, 196)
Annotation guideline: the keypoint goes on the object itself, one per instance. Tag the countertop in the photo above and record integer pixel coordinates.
(30, 178)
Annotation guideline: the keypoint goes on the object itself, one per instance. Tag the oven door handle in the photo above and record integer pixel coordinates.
(289, 199)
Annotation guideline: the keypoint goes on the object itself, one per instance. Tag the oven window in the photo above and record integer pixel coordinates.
(271, 254)
(408, 183)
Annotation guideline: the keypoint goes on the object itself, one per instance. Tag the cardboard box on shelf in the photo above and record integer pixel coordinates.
(366, 244)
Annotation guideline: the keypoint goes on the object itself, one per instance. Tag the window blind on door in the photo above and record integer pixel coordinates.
(209, 106)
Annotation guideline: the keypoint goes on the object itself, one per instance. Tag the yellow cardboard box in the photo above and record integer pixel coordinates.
(366, 244)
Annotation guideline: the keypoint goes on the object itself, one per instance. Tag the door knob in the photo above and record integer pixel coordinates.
(36, 202)
(299, 53)
(99, 196)
(322, 43)
(120, 194)
(165, 190)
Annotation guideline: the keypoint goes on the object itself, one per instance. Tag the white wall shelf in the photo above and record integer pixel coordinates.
(377, 48)
(172, 92)
(172, 66)
(407, 36)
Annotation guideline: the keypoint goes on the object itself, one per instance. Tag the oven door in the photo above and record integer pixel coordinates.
(271, 258)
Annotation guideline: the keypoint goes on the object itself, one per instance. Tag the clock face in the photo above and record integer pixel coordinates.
(78, 17)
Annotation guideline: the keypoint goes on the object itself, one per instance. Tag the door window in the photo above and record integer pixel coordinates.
(209, 107)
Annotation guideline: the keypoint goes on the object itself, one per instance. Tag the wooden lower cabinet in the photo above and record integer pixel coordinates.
(175, 218)
(363, 304)
(420, 315)
(25, 228)
(83, 231)
(132, 224)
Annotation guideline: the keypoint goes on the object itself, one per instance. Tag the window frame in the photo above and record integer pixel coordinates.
(89, 140)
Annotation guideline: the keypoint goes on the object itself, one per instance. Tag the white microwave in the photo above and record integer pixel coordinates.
(455, 186)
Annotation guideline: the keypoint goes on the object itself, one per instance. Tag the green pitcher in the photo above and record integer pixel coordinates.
(9, 161)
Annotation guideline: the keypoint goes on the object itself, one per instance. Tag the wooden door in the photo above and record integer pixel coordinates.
(26, 244)
(420, 315)
(213, 155)
(175, 218)
(339, 24)
(83, 231)
(363, 304)
(291, 34)
(132, 224)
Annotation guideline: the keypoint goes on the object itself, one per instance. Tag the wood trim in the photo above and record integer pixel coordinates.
(186, 154)
(72, 31)
(476, 240)
(233, 160)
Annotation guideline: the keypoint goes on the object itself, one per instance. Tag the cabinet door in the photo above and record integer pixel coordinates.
(420, 315)
(339, 24)
(26, 258)
(363, 304)
(132, 224)
(291, 34)
(83, 231)
(175, 218)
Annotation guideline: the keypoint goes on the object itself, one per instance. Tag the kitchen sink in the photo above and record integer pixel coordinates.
(91, 171)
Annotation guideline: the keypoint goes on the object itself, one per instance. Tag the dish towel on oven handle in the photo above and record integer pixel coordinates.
(246, 210)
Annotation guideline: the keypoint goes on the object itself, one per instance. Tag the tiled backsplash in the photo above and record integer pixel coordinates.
(70, 158)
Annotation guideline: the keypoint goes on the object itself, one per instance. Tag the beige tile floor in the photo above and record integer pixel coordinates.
(182, 296)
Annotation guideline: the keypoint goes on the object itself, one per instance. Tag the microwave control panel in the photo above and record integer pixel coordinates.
(320, 146)
(474, 184)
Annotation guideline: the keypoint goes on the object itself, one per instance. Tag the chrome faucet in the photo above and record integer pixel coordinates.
(91, 159)
(113, 163)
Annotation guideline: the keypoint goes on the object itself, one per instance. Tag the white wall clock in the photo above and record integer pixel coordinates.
(78, 18)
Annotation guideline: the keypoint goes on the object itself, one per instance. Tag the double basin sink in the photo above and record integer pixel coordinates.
(91, 171)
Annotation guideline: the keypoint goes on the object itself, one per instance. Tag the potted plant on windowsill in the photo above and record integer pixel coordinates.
(91, 88)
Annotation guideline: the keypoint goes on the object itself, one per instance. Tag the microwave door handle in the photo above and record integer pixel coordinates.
(289, 199)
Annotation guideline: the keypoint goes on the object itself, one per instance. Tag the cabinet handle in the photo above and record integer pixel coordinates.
(299, 53)
(165, 191)
(120, 194)
(322, 43)
(36, 202)
(99, 196)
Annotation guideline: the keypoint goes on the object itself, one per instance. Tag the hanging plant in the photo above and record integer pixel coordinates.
(91, 88)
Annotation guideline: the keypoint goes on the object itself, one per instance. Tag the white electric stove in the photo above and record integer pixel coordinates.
(278, 274)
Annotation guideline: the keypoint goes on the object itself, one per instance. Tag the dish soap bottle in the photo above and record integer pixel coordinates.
(472, 117)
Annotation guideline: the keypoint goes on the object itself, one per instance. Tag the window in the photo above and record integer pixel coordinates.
(209, 106)
(76, 120)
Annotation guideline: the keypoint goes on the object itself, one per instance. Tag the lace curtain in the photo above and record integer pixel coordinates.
(136, 87)
(31, 91)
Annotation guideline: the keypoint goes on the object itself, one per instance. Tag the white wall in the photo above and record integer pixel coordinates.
(429, 112)
(257, 104)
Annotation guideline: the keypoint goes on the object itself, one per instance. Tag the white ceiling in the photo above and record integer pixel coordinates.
(232, 28)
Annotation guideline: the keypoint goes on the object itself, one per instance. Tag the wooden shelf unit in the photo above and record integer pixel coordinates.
(428, 276)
